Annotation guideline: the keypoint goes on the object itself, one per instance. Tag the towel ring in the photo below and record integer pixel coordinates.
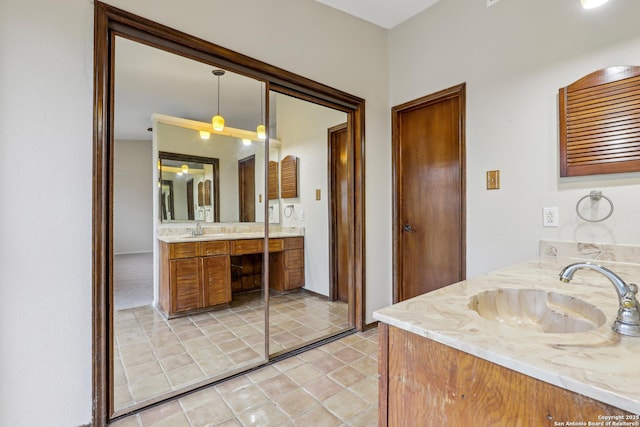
(288, 211)
(594, 195)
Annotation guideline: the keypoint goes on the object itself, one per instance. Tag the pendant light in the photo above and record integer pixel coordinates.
(590, 4)
(184, 169)
(218, 121)
(261, 130)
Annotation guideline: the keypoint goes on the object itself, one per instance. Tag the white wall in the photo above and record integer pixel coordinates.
(46, 69)
(132, 197)
(514, 56)
(46, 90)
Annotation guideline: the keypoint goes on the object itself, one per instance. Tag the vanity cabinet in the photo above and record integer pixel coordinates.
(194, 276)
(286, 268)
(423, 382)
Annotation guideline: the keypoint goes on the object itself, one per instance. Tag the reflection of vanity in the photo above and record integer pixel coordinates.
(195, 272)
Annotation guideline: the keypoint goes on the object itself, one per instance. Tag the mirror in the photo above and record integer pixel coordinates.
(237, 177)
(315, 200)
(142, 356)
(158, 350)
(189, 188)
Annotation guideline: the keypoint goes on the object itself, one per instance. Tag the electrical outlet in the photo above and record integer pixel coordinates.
(550, 217)
(492, 2)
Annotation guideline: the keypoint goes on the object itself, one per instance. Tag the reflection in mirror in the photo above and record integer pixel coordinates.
(184, 311)
(189, 188)
(238, 162)
(304, 304)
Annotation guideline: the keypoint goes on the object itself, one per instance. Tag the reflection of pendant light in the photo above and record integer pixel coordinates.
(260, 130)
(185, 169)
(218, 121)
(590, 4)
(204, 134)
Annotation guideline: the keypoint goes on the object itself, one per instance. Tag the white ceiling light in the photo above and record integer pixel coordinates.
(590, 4)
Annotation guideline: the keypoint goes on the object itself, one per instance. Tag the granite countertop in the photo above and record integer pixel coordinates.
(599, 363)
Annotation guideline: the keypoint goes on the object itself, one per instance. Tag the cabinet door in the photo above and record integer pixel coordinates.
(185, 284)
(216, 277)
(294, 258)
(293, 278)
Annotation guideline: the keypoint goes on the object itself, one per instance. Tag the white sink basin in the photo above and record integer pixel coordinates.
(536, 309)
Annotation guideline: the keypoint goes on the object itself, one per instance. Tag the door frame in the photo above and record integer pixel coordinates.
(458, 91)
(333, 209)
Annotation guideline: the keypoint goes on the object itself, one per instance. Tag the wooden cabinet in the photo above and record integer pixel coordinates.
(194, 276)
(286, 268)
(423, 382)
(198, 275)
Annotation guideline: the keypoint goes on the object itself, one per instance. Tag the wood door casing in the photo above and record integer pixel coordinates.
(339, 215)
(429, 193)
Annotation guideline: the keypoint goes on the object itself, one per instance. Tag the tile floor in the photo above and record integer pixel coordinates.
(332, 385)
(154, 355)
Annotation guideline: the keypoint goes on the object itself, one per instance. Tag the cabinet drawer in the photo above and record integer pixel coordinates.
(214, 247)
(248, 246)
(294, 242)
(294, 258)
(183, 250)
(276, 245)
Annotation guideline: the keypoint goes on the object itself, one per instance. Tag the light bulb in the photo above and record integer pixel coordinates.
(590, 4)
(218, 123)
(261, 131)
(204, 134)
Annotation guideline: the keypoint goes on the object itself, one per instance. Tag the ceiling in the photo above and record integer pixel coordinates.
(384, 13)
(149, 80)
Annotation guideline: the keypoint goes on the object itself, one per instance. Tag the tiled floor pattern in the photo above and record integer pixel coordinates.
(333, 385)
(154, 355)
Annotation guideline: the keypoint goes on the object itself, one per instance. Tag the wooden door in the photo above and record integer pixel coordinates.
(429, 175)
(190, 211)
(339, 244)
(247, 188)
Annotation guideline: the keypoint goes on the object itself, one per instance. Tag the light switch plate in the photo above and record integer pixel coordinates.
(493, 180)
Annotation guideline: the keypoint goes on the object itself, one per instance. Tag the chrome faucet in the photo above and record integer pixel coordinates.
(197, 230)
(628, 320)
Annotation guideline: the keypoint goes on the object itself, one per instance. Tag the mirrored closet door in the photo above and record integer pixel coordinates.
(228, 214)
(188, 224)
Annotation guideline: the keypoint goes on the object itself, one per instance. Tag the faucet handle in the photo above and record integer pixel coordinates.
(628, 300)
